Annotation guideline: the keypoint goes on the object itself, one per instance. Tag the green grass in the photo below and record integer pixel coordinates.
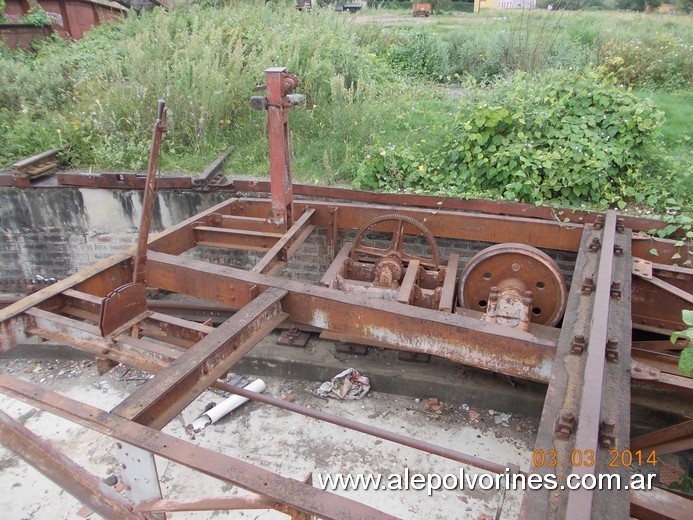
(368, 84)
(677, 130)
(678, 109)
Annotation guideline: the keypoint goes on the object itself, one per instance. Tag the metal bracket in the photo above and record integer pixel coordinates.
(293, 338)
(344, 347)
(642, 268)
(122, 308)
(644, 372)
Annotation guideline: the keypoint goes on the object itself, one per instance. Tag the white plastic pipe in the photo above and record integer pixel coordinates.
(226, 406)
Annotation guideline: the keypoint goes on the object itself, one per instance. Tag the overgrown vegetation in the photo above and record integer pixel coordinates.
(556, 137)
(36, 16)
(686, 359)
(519, 106)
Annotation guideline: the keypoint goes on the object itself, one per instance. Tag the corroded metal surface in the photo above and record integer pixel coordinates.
(585, 357)
(519, 268)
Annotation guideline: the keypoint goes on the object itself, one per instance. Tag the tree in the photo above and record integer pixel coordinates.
(638, 5)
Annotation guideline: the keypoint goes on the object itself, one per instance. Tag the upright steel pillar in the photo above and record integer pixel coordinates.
(279, 84)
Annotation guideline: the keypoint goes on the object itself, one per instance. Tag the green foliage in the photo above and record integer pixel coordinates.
(100, 93)
(637, 5)
(560, 137)
(686, 359)
(102, 90)
(664, 62)
(420, 52)
(685, 485)
(2, 12)
(36, 16)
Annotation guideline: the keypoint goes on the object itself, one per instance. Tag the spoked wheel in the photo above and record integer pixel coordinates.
(518, 266)
(395, 224)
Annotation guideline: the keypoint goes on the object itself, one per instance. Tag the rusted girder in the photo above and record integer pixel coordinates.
(668, 440)
(442, 223)
(581, 393)
(280, 253)
(66, 473)
(160, 399)
(463, 338)
(602, 383)
(299, 495)
(491, 207)
(659, 504)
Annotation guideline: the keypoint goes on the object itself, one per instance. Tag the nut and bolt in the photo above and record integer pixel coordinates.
(493, 294)
(616, 290)
(598, 222)
(578, 344)
(612, 350)
(607, 439)
(618, 250)
(527, 298)
(594, 245)
(620, 224)
(565, 425)
(587, 286)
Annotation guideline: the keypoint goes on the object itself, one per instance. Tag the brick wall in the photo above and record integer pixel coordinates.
(54, 233)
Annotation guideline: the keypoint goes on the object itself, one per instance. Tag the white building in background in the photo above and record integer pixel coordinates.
(509, 4)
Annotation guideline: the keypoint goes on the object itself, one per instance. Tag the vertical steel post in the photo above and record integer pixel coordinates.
(140, 269)
(279, 84)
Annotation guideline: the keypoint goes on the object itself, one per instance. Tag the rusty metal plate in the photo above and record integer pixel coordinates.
(122, 308)
(642, 268)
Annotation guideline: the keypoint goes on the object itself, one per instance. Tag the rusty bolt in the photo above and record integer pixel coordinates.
(598, 222)
(618, 250)
(587, 286)
(607, 439)
(612, 350)
(123, 466)
(118, 445)
(493, 295)
(616, 290)
(594, 245)
(527, 298)
(608, 425)
(620, 224)
(578, 344)
(565, 425)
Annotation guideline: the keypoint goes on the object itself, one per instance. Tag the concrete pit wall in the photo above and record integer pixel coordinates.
(55, 232)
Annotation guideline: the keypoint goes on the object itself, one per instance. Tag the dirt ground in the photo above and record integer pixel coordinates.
(277, 440)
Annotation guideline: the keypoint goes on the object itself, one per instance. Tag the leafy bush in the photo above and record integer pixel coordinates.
(420, 53)
(205, 64)
(664, 62)
(557, 137)
(686, 359)
(36, 16)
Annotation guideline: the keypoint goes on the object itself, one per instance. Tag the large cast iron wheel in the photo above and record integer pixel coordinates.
(519, 266)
